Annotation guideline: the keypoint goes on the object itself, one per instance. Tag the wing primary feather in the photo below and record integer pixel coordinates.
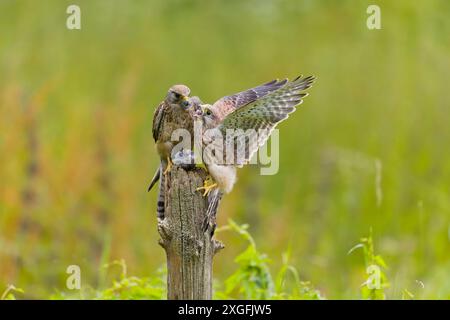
(265, 113)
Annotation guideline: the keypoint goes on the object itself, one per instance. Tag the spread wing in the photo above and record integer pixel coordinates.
(262, 116)
(230, 103)
(158, 119)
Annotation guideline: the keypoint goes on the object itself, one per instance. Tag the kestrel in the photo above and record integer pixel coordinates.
(176, 111)
(173, 112)
(262, 115)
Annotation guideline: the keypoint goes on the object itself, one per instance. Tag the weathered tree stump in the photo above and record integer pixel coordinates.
(189, 248)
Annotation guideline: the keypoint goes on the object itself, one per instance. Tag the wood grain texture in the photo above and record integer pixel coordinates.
(189, 250)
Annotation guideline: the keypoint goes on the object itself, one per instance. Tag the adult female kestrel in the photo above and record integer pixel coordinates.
(172, 113)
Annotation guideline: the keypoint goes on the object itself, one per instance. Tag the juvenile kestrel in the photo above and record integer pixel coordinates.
(261, 115)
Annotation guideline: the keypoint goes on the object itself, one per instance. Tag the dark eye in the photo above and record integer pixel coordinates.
(177, 95)
(208, 112)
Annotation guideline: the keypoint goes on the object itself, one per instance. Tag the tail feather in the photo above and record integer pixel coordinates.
(160, 207)
(154, 179)
(213, 204)
(161, 197)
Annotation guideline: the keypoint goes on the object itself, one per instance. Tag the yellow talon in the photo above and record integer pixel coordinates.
(169, 166)
(208, 185)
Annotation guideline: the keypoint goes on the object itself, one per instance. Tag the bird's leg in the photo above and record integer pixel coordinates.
(169, 166)
(208, 185)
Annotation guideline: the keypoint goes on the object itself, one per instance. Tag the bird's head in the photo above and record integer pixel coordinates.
(195, 103)
(179, 95)
(208, 115)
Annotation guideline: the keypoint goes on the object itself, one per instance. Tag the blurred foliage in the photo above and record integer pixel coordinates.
(252, 280)
(11, 292)
(367, 149)
(123, 288)
(374, 287)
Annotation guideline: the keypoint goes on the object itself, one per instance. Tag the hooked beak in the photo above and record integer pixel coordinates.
(202, 108)
(185, 103)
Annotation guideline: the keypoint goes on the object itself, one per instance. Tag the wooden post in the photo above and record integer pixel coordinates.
(189, 249)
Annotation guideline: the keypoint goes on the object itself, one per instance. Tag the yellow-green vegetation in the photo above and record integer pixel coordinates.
(368, 149)
(251, 280)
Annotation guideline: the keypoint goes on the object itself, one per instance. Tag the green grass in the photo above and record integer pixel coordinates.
(251, 279)
(367, 149)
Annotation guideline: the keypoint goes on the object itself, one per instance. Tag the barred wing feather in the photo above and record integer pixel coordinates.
(257, 119)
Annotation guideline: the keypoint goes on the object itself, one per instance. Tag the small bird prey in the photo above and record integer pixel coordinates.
(173, 112)
(262, 115)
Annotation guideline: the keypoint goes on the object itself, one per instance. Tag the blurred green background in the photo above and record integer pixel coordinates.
(369, 148)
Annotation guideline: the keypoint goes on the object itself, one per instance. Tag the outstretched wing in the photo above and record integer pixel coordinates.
(261, 116)
(158, 119)
(228, 104)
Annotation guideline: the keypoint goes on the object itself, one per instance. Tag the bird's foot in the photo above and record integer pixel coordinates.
(208, 186)
(169, 166)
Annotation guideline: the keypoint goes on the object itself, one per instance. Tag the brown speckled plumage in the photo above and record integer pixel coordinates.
(175, 112)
